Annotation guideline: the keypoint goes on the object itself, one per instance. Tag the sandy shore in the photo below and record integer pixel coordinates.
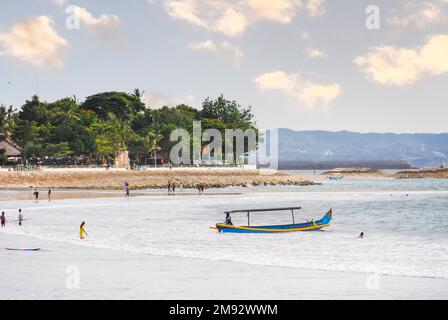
(107, 274)
(357, 173)
(154, 179)
(63, 194)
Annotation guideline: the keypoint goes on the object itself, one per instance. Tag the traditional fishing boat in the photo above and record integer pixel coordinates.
(306, 226)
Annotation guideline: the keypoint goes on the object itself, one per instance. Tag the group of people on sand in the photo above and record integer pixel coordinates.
(172, 187)
(36, 193)
(3, 219)
(200, 188)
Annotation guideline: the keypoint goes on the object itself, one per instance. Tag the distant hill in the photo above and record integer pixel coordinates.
(419, 150)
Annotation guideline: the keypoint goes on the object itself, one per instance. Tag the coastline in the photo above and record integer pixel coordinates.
(16, 194)
(435, 173)
(147, 179)
(102, 276)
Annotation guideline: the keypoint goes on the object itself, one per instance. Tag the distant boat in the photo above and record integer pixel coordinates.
(307, 226)
(335, 177)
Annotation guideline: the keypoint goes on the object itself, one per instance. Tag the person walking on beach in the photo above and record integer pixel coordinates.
(361, 235)
(20, 217)
(36, 194)
(3, 219)
(126, 188)
(49, 193)
(173, 188)
(169, 187)
(82, 231)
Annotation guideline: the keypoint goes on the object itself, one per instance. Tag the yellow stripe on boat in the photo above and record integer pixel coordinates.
(273, 230)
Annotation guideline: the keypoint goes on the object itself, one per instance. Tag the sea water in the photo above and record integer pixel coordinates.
(404, 221)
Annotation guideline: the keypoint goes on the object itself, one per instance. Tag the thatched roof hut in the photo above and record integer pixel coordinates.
(12, 150)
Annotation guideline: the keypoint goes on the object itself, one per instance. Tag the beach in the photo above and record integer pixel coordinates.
(154, 246)
(107, 274)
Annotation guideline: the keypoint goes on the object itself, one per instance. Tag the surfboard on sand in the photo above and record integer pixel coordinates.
(23, 249)
(17, 220)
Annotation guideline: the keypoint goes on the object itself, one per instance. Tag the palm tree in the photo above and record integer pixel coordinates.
(154, 139)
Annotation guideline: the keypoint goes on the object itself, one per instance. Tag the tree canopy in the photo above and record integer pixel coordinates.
(108, 122)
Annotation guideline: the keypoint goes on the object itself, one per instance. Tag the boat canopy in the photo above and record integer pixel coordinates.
(263, 210)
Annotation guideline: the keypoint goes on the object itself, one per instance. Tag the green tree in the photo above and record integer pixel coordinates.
(108, 139)
(33, 110)
(3, 157)
(154, 139)
(6, 118)
(120, 104)
(137, 146)
(229, 112)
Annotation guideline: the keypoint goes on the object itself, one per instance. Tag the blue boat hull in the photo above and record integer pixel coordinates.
(308, 226)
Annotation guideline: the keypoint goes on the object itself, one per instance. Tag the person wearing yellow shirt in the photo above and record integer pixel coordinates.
(82, 231)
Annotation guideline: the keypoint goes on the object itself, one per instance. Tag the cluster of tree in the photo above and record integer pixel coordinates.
(106, 123)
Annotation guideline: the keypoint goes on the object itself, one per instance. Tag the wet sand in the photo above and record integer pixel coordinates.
(63, 194)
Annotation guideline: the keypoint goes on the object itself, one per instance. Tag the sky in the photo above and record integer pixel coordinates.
(366, 66)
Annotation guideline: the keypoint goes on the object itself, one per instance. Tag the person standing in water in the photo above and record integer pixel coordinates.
(20, 217)
(36, 194)
(82, 231)
(126, 188)
(3, 219)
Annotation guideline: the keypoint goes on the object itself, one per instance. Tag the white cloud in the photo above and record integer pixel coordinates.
(315, 8)
(314, 53)
(282, 11)
(232, 17)
(232, 52)
(232, 23)
(103, 21)
(59, 2)
(158, 100)
(35, 41)
(184, 10)
(226, 48)
(389, 65)
(419, 14)
(305, 92)
(204, 45)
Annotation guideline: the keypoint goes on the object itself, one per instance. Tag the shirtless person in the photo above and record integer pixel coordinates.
(3, 219)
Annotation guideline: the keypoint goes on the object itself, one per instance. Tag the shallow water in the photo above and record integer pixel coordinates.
(405, 223)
